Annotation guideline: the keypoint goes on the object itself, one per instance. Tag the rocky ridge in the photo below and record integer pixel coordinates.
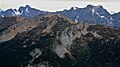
(54, 40)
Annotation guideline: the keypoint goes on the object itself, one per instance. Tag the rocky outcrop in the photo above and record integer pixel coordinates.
(21, 26)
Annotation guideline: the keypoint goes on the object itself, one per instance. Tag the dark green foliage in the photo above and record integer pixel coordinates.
(104, 53)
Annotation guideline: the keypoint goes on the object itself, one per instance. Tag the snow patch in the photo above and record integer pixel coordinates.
(102, 16)
(93, 10)
(16, 12)
(27, 10)
(77, 17)
(13, 14)
(98, 14)
(2, 16)
(111, 18)
(76, 20)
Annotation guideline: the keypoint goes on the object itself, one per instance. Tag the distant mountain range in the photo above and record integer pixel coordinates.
(89, 14)
(26, 12)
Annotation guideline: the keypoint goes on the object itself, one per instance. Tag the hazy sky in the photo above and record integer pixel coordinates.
(56, 5)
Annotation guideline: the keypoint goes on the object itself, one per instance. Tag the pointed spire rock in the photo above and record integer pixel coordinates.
(27, 6)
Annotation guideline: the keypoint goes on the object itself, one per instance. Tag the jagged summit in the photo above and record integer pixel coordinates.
(26, 12)
(24, 8)
(91, 6)
(90, 14)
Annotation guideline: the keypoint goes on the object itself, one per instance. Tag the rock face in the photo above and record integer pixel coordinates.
(56, 41)
(19, 25)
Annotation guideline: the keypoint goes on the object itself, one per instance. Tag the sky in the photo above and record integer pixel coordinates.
(57, 5)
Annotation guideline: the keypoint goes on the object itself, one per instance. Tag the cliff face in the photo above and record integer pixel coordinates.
(54, 40)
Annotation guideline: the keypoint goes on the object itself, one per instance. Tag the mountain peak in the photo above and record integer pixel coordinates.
(99, 6)
(27, 6)
(89, 6)
(74, 8)
(92, 6)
